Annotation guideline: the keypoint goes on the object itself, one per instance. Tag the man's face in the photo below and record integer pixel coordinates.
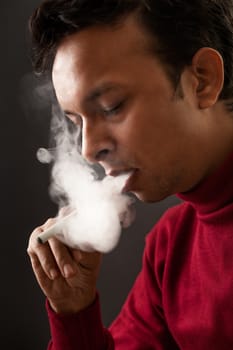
(107, 80)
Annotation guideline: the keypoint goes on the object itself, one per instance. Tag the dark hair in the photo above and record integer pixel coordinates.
(180, 29)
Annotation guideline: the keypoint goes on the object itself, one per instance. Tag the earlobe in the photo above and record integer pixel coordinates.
(208, 67)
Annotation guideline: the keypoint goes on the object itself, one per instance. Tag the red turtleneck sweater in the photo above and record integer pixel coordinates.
(183, 296)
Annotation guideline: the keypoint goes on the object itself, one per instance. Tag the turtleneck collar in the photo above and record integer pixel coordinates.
(213, 193)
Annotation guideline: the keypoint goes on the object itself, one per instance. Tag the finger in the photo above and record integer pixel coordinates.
(44, 255)
(36, 232)
(87, 260)
(41, 276)
(63, 258)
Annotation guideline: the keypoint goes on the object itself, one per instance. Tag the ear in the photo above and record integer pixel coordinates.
(208, 68)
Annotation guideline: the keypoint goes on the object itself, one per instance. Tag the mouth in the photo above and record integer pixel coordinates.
(128, 186)
(126, 175)
(119, 172)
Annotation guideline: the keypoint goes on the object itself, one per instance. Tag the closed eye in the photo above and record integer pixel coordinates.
(108, 112)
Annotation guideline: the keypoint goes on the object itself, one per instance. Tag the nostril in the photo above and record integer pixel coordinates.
(101, 155)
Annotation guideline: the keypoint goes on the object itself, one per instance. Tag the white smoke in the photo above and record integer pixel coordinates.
(98, 206)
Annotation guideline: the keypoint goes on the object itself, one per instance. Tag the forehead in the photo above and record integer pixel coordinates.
(126, 37)
(93, 53)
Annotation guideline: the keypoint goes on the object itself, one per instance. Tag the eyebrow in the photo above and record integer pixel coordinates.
(95, 94)
(100, 90)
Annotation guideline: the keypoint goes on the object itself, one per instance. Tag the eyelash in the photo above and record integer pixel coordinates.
(107, 113)
(114, 110)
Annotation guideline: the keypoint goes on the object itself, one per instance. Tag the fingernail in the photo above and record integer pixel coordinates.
(53, 273)
(68, 270)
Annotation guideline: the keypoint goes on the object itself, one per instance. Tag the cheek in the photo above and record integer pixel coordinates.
(138, 129)
(145, 134)
(137, 146)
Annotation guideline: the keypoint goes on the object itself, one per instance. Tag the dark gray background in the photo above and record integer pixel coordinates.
(25, 202)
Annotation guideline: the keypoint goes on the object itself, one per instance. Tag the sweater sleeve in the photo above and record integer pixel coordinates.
(83, 330)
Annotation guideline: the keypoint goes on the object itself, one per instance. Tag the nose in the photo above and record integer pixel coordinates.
(97, 144)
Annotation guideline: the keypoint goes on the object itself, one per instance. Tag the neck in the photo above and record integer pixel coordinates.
(218, 136)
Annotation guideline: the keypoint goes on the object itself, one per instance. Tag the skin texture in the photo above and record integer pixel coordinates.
(108, 82)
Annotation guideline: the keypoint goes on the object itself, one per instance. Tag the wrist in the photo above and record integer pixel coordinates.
(68, 306)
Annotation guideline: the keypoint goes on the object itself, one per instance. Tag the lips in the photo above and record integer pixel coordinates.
(130, 173)
(119, 172)
(130, 181)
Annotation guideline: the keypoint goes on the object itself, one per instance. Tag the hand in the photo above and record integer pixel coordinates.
(66, 276)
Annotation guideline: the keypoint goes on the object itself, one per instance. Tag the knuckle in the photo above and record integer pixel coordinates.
(46, 262)
(29, 251)
(62, 260)
(33, 239)
(35, 233)
(60, 252)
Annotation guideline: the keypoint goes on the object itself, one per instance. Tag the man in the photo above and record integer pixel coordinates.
(151, 84)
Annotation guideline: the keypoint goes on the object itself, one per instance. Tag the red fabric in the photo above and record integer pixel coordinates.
(71, 331)
(182, 299)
